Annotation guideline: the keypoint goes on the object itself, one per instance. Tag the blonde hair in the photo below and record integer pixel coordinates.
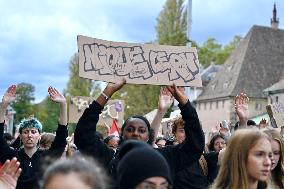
(278, 172)
(233, 170)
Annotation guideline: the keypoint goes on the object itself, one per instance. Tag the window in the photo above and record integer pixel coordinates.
(211, 105)
(276, 99)
(217, 104)
(204, 105)
(223, 103)
(258, 106)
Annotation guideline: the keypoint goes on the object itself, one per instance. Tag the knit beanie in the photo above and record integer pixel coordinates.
(140, 163)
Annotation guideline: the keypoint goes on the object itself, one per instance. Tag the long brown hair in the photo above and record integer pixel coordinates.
(278, 172)
(233, 171)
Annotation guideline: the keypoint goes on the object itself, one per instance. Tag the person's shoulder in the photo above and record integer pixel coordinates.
(211, 157)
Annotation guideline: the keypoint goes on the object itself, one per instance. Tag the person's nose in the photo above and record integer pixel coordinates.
(30, 134)
(272, 158)
(267, 161)
(136, 132)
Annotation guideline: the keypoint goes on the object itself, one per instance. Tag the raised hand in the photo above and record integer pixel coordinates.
(241, 107)
(178, 93)
(10, 95)
(113, 87)
(9, 174)
(110, 89)
(165, 99)
(55, 95)
(263, 124)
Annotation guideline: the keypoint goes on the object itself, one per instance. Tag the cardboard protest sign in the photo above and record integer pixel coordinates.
(167, 126)
(138, 63)
(114, 109)
(276, 112)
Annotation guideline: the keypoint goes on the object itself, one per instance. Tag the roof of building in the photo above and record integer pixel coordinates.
(253, 66)
(209, 73)
(276, 87)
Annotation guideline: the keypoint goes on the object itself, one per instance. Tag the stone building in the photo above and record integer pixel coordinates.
(275, 93)
(255, 65)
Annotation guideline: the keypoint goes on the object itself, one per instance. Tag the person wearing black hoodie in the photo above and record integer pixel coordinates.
(138, 128)
(30, 156)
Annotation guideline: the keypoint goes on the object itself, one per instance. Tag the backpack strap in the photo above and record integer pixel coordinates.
(203, 164)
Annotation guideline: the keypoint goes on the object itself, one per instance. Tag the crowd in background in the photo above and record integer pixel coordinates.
(247, 156)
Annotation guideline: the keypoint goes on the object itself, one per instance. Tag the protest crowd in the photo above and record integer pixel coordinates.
(245, 157)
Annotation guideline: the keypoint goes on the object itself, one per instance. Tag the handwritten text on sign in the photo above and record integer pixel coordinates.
(138, 63)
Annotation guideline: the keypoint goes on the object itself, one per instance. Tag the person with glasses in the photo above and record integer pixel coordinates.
(217, 143)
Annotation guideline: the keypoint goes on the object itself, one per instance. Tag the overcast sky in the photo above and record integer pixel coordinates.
(38, 38)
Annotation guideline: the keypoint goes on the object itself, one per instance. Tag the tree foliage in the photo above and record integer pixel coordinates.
(172, 24)
(213, 52)
(23, 103)
(171, 30)
(48, 114)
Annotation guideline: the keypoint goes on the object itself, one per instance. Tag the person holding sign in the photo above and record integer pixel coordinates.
(30, 133)
(138, 128)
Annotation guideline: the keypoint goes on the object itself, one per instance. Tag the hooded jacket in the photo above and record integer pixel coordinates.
(179, 157)
(31, 166)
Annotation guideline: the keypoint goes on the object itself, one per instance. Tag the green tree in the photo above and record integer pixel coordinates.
(23, 103)
(211, 51)
(171, 30)
(228, 49)
(48, 114)
(172, 24)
